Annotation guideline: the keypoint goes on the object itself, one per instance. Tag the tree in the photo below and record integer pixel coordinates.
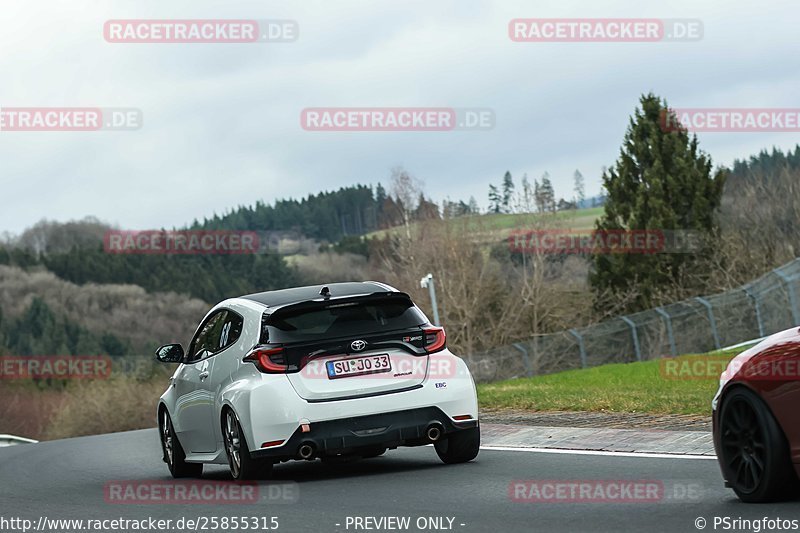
(473, 206)
(380, 199)
(407, 190)
(579, 188)
(495, 200)
(661, 181)
(547, 194)
(537, 196)
(508, 191)
(526, 200)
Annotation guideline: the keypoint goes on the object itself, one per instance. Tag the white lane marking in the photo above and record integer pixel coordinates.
(597, 452)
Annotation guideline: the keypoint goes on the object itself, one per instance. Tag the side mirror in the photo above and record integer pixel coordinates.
(170, 353)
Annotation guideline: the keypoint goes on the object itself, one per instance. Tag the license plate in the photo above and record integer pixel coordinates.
(358, 366)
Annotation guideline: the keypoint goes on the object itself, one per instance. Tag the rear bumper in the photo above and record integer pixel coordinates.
(272, 411)
(398, 428)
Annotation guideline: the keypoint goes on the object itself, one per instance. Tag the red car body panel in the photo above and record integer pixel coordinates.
(771, 369)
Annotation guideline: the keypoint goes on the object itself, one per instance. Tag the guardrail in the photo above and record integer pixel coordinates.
(767, 305)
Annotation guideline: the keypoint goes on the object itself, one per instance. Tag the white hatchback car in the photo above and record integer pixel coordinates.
(346, 369)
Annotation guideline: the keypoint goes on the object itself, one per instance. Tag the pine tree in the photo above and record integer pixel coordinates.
(661, 181)
(508, 192)
(495, 200)
(548, 195)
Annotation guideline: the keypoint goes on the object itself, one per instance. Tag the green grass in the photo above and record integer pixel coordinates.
(500, 224)
(646, 387)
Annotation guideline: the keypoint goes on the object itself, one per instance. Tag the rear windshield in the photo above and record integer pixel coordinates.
(341, 320)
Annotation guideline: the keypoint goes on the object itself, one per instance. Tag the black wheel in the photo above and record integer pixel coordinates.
(459, 447)
(754, 455)
(242, 466)
(174, 455)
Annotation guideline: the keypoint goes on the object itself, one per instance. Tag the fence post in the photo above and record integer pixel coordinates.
(790, 290)
(752, 296)
(581, 347)
(670, 336)
(634, 336)
(712, 320)
(525, 359)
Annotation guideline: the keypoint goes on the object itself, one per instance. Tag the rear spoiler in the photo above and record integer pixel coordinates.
(327, 303)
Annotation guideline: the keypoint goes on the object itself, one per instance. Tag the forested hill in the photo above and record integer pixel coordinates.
(326, 216)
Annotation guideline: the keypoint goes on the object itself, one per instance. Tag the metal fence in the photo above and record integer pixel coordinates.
(762, 307)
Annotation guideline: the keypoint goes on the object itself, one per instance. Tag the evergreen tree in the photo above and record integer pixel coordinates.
(495, 200)
(548, 195)
(661, 181)
(508, 192)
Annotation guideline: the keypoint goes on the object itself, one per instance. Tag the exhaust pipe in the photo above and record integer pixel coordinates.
(434, 432)
(306, 451)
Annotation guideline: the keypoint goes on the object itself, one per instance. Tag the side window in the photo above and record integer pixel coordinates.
(220, 331)
(231, 330)
(206, 341)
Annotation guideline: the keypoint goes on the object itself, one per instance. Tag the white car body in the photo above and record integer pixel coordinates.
(274, 409)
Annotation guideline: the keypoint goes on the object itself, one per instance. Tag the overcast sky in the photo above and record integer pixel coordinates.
(222, 121)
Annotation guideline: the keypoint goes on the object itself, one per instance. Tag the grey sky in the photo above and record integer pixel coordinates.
(221, 121)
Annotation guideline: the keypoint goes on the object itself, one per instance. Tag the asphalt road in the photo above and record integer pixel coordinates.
(73, 479)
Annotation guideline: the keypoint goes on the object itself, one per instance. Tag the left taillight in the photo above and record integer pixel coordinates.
(435, 339)
(268, 360)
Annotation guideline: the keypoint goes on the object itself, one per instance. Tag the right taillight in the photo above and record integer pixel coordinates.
(435, 339)
(268, 360)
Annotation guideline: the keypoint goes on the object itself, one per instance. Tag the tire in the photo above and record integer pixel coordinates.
(459, 447)
(754, 455)
(241, 465)
(173, 452)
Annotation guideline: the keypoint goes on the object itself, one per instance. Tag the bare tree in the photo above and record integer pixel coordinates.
(406, 190)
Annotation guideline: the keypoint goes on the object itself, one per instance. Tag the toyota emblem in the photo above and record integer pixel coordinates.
(358, 345)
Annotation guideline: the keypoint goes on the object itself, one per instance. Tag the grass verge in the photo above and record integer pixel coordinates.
(646, 387)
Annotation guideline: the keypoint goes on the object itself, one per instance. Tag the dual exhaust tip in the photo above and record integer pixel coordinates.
(434, 432)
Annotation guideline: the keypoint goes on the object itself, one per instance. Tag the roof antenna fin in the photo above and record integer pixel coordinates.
(325, 292)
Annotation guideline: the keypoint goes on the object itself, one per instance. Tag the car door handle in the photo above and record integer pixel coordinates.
(204, 375)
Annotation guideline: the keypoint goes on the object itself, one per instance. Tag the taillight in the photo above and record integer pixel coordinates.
(435, 339)
(268, 360)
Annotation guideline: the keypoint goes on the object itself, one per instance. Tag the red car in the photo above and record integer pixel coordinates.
(756, 418)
